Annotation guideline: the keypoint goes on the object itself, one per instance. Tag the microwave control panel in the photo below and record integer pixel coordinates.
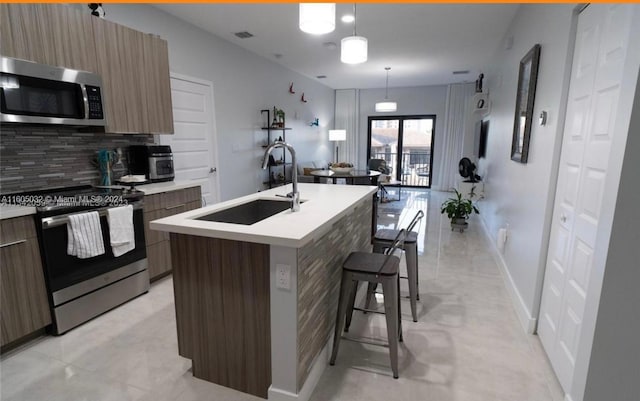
(94, 98)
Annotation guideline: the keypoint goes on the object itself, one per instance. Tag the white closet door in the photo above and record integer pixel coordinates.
(600, 51)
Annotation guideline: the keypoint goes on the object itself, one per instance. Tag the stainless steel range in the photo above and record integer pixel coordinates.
(80, 289)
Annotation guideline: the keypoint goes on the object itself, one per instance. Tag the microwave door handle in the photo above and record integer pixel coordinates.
(85, 99)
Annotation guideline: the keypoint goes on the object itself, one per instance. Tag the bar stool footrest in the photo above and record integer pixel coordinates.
(365, 310)
(364, 341)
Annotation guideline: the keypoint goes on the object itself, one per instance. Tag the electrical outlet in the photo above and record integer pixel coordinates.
(283, 276)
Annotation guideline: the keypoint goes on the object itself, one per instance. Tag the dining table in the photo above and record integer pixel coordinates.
(354, 177)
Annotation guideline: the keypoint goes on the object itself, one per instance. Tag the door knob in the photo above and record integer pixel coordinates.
(213, 170)
(563, 218)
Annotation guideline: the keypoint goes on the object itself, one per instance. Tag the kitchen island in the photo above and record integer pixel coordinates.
(255, 304)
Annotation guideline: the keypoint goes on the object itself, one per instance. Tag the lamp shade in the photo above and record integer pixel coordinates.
(354, 50)
(386, 106)
(317, 18)
(337, 135)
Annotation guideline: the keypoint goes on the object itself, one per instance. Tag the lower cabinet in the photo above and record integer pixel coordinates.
(23, 295)
(156, 207)
(159, 258)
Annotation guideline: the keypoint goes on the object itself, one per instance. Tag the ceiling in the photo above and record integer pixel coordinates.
(422, 43)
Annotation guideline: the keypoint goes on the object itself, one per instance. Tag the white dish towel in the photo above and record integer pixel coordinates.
(84, 235)
(121, 229)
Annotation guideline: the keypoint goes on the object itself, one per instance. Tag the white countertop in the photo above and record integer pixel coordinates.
(324, 204)
(159, 187)
(11, 211)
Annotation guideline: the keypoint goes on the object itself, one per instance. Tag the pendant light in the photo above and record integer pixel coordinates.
(386, 105)
(317, 18)
(354, 48)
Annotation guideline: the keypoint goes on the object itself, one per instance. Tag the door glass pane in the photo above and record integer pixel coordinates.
(416, 152)
(384, 141)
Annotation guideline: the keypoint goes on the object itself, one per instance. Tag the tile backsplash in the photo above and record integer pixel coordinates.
(33, 158)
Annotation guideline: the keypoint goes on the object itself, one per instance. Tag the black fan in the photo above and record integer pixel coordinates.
(467, 170)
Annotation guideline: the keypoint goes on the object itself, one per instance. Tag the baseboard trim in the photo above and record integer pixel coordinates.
(527, 321)
(321, 362)
(276, 394)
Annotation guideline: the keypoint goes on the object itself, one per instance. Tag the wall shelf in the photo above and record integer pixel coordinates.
(276, 174)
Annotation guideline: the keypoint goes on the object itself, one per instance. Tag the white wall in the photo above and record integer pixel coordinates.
(517, 195)
(243, 84)
(411, 101)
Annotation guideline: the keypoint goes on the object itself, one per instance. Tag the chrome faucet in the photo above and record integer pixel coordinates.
(294, 195)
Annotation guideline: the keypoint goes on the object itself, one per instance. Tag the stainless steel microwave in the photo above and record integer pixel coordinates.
(33, 93)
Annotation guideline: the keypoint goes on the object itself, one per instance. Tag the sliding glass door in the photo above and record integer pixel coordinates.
(406, 143)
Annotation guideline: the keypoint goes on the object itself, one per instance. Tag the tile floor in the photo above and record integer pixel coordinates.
(467, 345)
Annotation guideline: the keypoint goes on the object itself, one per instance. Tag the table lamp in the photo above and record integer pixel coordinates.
(337, 135)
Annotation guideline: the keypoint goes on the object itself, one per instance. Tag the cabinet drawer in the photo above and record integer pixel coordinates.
(159, 258)
(151, 202)
(174, 199)
(17, 229)
(194, 205)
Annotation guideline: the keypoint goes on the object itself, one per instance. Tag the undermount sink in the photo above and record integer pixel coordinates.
(248, 213)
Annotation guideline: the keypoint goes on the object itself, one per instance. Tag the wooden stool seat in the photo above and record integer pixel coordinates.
(367, 262)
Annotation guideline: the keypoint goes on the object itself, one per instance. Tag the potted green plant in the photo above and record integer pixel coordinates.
(280, 116)
(458, 210)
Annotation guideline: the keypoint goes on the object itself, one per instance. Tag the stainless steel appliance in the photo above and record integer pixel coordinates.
(34, 93)
(81, 289)
(154, 161)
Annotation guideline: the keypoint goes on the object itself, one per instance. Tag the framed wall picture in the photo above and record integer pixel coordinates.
(527, 78)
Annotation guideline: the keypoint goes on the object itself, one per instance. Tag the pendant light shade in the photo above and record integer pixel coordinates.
(387, 105)
(337, 134)
(317, 18)
(354, 50)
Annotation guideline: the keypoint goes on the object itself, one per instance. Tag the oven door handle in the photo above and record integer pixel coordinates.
(50, 222)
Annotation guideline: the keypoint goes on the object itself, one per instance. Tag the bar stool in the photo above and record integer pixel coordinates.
(382, 240)
(372, 268)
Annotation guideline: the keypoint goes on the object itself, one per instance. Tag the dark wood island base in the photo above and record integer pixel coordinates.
(256, 305)
(222, 310)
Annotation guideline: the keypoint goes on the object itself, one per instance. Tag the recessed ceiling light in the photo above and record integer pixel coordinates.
(321, 76)
(243, 34)
(330, 45)
(460, 72)
(348, 18)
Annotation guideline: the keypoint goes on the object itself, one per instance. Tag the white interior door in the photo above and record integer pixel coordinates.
(194, 141)
(601, 44)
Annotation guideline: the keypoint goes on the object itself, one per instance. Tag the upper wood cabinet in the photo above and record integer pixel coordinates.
(135, 74)
(121, 65)
(157, 85)
(134, 65)
(48, 34)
